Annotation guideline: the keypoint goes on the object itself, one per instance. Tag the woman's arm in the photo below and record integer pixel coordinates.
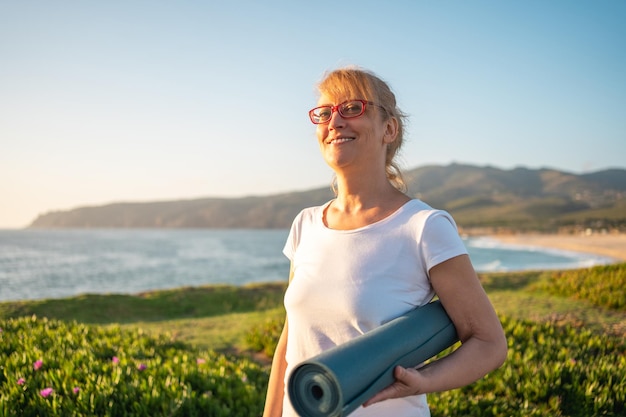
(276, 384)
(483, 347)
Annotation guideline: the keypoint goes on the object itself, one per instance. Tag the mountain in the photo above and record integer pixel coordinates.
(485, 197)
(276, 211)
(521, 198)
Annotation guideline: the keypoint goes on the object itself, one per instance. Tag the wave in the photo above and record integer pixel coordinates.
(491, 255)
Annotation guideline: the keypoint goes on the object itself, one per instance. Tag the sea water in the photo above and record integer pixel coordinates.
(36, 264)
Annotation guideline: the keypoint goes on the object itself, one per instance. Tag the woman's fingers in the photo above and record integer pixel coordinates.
(407, 383)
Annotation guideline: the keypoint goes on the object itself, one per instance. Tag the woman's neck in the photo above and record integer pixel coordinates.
(361, 201)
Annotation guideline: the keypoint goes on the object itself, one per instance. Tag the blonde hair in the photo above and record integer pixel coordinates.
(354, 82)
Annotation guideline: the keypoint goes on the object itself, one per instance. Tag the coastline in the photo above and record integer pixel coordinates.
(608, 245)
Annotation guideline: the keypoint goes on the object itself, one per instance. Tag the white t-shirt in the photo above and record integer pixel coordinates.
(348, 282)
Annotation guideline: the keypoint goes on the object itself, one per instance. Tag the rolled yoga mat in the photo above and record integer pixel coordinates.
(337, 381)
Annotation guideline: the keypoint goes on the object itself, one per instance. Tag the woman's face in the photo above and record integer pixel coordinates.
(357, 143)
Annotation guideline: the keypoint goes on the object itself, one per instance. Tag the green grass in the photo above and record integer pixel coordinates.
(211, 317)
(601, 286)
(536, 296)
(153, 306)
(220, 317)
(565, 329)
(224, 333)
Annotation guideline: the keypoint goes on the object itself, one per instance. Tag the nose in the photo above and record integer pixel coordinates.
(336, 120)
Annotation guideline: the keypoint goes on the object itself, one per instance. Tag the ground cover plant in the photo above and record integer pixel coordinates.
(53, 368)
(563, 360)
(603, 286)
(551, 370)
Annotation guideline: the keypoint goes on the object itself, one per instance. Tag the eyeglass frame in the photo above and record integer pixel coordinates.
(337, 109)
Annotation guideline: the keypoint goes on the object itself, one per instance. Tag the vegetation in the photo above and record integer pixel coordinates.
(551, 370)
(264, 337)
(567, 354)
(155, 306)
(602, 286)
(53, 368)
(485, 197)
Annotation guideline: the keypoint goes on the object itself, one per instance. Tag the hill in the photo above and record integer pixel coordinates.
(478, 197)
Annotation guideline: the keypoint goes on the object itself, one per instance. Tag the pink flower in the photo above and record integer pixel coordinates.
(21, 381)
(142, 366)
(76, 390)
(46, 392)
(200, 361)
(37, 365)
(115, 359)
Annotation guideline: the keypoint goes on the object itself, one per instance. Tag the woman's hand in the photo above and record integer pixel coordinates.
(409, 381)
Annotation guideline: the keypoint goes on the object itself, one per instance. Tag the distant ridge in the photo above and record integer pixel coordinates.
(477, 197)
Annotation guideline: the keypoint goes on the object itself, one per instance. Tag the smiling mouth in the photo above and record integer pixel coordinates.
(338, 141)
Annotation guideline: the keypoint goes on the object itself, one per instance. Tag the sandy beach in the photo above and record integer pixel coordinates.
(611, 245)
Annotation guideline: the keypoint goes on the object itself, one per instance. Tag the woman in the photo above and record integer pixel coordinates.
(373, 253)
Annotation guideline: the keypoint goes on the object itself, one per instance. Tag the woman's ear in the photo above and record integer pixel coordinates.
(391, 130)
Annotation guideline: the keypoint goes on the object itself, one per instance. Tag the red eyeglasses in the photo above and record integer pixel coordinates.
(348, 110)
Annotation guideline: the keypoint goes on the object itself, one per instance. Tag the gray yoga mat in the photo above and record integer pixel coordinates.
(337, 381)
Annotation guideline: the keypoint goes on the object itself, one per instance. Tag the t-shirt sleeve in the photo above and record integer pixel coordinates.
(440, 240)
(293, 238)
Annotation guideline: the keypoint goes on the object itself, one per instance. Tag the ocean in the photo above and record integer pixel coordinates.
(38, 264)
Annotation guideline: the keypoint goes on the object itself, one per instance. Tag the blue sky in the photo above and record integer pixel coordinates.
(151, 100)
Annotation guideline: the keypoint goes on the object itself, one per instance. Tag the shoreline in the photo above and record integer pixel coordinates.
(607, 245)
